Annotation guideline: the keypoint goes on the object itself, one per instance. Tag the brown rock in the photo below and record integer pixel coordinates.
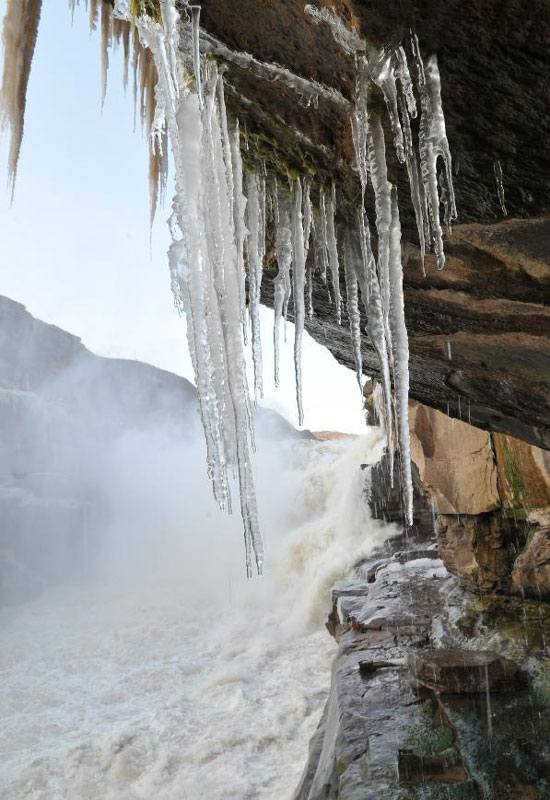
(531, 573)
(455, 461)
(523, 473)
(481, 549)
(458, 671)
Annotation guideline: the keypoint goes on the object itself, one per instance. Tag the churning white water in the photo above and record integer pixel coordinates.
(180, 688)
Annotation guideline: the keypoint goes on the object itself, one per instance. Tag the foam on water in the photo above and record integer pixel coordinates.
(153, 691)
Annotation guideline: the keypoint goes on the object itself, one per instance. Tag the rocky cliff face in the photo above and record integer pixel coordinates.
(440, 685)
(62, 410)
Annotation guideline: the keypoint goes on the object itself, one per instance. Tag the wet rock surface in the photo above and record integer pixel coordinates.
(486, 497)
(456, 670)
(418, 709)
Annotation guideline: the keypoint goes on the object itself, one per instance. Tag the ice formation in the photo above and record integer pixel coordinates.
(256, 252)
(298, 279)
(282, 283)
(220, 214)
(381, 281)
(500, 187)
(19, 39)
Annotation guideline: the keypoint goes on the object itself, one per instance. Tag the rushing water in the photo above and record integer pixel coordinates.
(161, 690)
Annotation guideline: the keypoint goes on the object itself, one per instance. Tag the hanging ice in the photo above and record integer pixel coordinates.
(256, 252)
(400, 347)
(500, 187)
(433, 144)
(206, 267)
(19, 37)
(298, 279)
(282, 284)
(308, 230)
(332, 249)
(352, 301)
(181, 93)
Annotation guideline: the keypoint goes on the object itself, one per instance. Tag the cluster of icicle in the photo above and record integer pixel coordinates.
(220, 215)
(213, 223)
(117, 31)
(380, 280)
(19, 39)
(20, 32)
(208, 227)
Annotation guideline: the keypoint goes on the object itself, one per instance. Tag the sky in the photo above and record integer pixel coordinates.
(75, 245)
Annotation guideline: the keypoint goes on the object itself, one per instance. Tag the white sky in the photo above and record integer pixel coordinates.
(75, 249)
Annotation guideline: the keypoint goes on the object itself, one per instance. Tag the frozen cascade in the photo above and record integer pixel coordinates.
(282, 284)
(205, 265)
(298, 279)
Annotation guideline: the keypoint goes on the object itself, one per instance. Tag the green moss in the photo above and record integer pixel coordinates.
(541, 683)
(426, 741)
(512, 627)
(151, 8)
(513, 474)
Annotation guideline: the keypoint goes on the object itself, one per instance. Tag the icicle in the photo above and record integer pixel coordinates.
(332, 248)
(383, 73)
(400, 344)
(205, 264)
(195, 20)
(106, 42)
(414, 178)
(126, 54)
(308, 230)
(352, 299)
(359, 122)
(19, 38)
(500, 187)
(308, 215)
(382, 196)
(298, 273)
(239, 210)
(94, 13)
(376, 327)
(256, 249)
(320, 226)
(282, 284)
(348, 40)
(404, 77)
(433, 144)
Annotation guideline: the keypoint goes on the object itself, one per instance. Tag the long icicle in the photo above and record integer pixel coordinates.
(332, 248)
(400, 345)
(207, 270)
(298, 274)
(255, 248)
(352, 301)
(19, 35)
(282, 284)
